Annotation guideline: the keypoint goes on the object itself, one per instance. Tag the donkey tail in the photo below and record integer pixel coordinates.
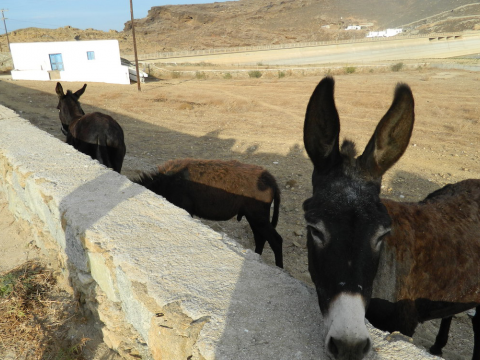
(276, 206)
(102, 152)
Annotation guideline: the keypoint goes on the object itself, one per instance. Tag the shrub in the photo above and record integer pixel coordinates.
(281, 74)
(227, 76)
(255, 74)
(186, 106)
(397, 66)
(350, 69)
(201, 75)
(175, 74)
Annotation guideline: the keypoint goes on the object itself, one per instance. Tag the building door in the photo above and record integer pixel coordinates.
(56, 61)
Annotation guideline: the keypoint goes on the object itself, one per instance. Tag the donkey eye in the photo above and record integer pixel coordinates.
(379, 240)
(316, 234)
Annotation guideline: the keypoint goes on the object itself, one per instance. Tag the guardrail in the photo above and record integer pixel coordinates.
(186, 53)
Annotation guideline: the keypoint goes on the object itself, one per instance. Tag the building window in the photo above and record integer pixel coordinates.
(91, 55)
(56, 61)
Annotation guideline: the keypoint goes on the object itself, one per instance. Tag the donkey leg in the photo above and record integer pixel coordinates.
(257, 235)
(116, 155)
(276, 241)
(263, 232)
(476, 334)
(86, 148)
(442, 337)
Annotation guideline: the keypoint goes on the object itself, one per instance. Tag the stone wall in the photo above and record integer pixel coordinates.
(161, 284)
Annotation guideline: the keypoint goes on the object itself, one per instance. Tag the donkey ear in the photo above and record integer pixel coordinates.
(392, 135)
(59, 90)
(80, 92)
(322, 126)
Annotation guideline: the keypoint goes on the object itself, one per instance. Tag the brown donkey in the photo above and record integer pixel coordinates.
(397, 264)
(97, 135)
(219, 190)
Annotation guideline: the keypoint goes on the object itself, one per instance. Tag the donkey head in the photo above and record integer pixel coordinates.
(346, 220)
(68, 106)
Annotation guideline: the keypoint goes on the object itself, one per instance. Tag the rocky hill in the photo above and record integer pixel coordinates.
(466, 17)
(396, 13)
(67, 33)
(261, 22)
(241, 23)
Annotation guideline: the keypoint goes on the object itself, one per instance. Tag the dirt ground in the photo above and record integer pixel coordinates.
(260, 121)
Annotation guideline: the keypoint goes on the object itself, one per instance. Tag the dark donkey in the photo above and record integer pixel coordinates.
(219, 190)
(97, 135)
(403, 262)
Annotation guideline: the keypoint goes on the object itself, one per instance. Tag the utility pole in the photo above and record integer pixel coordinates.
(5, 25)
(135, 47)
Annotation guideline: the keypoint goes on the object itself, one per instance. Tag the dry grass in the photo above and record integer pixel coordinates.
(35, 315)
(185, 106)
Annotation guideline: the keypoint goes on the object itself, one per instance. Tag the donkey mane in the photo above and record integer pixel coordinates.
(146, 178)
(349, 164)
(348, 149)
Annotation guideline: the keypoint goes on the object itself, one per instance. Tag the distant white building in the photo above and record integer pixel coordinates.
(92, 61)
(384, 33)
(353, 27)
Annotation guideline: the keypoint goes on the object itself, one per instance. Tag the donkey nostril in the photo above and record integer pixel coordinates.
(367, 347)
(332, 347)
(357, 349)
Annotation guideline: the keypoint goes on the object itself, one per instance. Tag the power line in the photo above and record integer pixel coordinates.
(33, 22)
(5, 25)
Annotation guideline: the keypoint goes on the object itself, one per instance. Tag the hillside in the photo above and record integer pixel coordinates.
(262, 22)
(242, 23)
(396, 13)
(466, 17)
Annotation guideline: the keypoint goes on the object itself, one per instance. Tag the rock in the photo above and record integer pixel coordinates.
(216, 227)
(471, 313)
(84, 278)
(290, 184)
(397, 336)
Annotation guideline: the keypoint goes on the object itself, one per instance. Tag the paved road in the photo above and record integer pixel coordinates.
(407, 49)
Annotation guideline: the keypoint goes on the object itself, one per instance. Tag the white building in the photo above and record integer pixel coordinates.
(353, 27)
(89, 61)
(384, 33)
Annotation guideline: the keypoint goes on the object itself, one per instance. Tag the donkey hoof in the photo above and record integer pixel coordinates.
(434, 350)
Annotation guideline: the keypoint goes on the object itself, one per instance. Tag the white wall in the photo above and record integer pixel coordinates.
(105, 68)
(39, 75)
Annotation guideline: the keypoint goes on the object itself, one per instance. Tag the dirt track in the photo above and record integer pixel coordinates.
(260, 121)
(360, 51)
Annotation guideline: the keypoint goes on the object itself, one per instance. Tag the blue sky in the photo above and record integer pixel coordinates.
(97, 14)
